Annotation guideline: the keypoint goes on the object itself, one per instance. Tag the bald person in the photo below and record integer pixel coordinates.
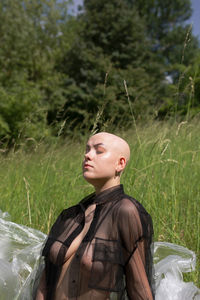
(100, 249)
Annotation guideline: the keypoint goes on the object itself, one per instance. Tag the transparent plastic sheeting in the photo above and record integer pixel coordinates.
(20, 248)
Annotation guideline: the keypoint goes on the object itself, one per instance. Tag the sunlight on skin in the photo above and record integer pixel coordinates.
(105, 159)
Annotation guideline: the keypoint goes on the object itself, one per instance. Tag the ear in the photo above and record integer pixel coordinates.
(121, 164)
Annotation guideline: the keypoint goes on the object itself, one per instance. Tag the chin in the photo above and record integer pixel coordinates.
(88, 178)
(92, 180)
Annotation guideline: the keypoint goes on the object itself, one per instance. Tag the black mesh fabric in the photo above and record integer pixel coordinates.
(104, 254)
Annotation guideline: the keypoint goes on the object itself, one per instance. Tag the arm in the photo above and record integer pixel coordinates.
(137, 284)
(136, 231)
(41, 291)
(41, 287)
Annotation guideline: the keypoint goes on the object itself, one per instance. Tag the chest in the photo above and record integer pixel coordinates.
(68, 242)
(98, 222)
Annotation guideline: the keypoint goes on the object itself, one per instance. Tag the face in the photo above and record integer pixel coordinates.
(100, 160)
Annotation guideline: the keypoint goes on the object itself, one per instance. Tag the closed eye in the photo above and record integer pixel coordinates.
(100, 150)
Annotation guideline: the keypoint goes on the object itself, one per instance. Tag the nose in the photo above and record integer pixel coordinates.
(88, 155)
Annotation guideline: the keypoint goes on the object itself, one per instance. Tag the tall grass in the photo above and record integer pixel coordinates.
(163, 174)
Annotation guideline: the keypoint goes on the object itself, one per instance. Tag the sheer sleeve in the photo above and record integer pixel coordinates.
(41, 291)
(135, 229)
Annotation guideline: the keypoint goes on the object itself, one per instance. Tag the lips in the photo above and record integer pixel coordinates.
(86, 165)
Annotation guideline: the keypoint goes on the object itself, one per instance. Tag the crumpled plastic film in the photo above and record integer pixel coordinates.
(170, 262)
(21, 263)
(20, 249)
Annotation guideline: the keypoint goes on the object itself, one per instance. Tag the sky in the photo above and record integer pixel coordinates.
(195, 19)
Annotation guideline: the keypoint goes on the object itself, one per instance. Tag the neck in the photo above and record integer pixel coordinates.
(108, 184)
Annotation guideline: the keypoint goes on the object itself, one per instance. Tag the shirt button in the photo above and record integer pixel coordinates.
(77, 255)
(73, 281)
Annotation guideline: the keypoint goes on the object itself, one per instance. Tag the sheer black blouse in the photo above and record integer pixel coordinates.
(113, 259)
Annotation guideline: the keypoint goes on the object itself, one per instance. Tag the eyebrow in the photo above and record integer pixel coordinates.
(96, 145)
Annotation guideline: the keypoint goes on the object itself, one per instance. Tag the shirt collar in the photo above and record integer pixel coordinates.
(111, 194)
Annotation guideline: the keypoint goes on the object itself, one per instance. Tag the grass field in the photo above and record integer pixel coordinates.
(163, 174)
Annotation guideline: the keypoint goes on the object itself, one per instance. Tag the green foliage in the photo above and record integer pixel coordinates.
(183, 98)
(28, 32)
(111, 47)
(69, 72)
(20, 114)
(166, 27)
(30, 38)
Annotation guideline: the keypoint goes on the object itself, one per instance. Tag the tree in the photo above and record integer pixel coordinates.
(111, 47)
(173, 44)
(31, 40)
(55, 67)
(183, 98)
(166, 27)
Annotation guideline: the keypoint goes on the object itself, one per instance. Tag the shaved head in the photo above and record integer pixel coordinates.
(105, 159)
(118, 145)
